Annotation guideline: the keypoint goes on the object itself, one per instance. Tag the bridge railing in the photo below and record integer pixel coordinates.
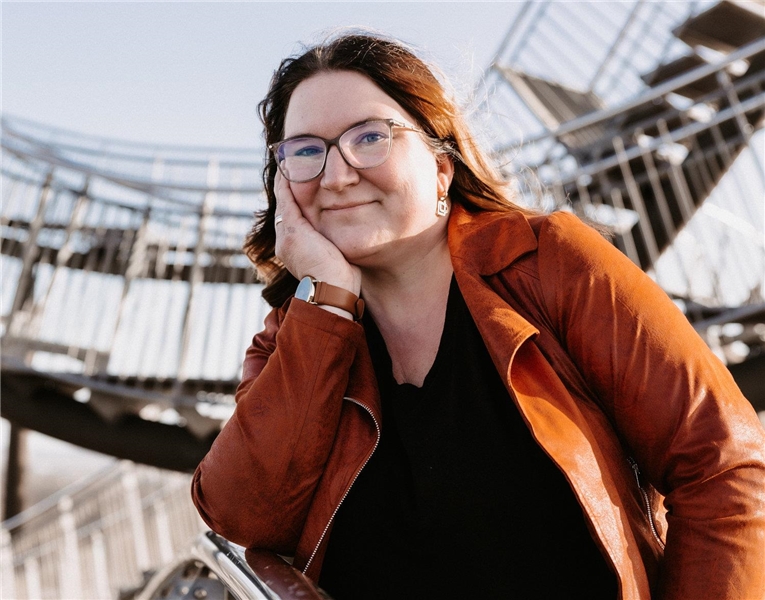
(146, 285)
(99, 537)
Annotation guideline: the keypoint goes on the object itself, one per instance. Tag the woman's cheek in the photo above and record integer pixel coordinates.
(304, 197)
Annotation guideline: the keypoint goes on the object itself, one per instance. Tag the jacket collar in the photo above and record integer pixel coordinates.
(485, 242)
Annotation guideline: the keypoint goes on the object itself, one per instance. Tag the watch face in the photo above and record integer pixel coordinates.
(305, 290)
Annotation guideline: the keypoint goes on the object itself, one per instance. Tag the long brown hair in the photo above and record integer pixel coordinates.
(411, 83)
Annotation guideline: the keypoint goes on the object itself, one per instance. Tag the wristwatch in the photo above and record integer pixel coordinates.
(320, 292)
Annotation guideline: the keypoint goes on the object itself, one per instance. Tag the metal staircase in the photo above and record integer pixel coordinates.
(127, 300)
(639, 126)
(127, 303)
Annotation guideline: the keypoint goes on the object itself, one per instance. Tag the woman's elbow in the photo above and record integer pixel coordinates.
(228, 516)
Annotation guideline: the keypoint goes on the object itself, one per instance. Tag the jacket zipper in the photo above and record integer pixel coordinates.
(646, 502)
(355, 477)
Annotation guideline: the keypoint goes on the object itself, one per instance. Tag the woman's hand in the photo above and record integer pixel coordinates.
(303, 250)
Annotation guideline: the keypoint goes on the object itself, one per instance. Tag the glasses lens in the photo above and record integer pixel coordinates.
(366, 145)
(301, 159)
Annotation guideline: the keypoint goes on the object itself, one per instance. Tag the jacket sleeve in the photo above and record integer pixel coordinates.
(674, 404)
(255, 485)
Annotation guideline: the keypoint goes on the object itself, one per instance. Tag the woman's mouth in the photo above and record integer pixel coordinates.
(347, 206)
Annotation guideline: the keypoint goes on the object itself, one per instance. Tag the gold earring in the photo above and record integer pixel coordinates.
(442, 208)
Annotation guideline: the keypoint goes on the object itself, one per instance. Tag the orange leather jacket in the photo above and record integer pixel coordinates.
(606, 371)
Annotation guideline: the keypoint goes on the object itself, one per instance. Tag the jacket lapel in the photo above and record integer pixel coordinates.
(486, 244)
(481, 245)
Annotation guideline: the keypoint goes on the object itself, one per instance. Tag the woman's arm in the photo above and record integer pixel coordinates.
(673, 402)
(255, 485)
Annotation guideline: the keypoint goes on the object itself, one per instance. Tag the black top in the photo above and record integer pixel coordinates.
(458, 500)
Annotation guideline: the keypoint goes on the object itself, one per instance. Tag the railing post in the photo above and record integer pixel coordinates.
(32, 578)
(166, 550)
(62, 256)
(100, 565)
(8, 573)
(633, 191)
(28, 258)
(746, 129)
(196, 275)
(135, 516)
(69, 564)
(136, 266)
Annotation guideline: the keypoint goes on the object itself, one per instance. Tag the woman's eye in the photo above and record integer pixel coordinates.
(370, 137)
(308, 151)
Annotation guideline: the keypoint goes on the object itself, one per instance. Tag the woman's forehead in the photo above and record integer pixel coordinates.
(327, 103)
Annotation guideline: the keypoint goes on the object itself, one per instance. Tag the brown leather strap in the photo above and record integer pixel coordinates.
(331, 295)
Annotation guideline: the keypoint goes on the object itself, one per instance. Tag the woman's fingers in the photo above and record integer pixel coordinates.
(291, 226)
(302, 249)
(286, 207)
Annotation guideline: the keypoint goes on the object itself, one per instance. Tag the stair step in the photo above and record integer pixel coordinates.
(681, 66)
(724, 27)
(554, 104)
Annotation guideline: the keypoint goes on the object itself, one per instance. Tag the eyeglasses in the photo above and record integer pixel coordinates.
(363, 146)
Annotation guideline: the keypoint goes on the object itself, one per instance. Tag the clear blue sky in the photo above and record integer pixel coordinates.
(192, 73)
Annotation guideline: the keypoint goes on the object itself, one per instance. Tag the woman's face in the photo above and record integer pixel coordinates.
(374, 216)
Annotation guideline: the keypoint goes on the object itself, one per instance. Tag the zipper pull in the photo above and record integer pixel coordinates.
(635, 470)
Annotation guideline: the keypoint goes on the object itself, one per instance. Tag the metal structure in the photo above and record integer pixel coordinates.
(106, 537)
(651, 126)
(99, 537)
(219, 570)
(127, 304)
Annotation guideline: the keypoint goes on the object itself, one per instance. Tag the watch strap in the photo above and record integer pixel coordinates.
(332, 295)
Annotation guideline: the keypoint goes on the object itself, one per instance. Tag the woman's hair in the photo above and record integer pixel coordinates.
(410, 82)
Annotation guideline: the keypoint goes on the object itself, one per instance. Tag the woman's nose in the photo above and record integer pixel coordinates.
(337, 173)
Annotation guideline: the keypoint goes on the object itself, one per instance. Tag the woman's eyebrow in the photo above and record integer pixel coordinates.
(351, 126)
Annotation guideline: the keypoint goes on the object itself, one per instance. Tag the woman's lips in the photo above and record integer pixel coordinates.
(350, 205)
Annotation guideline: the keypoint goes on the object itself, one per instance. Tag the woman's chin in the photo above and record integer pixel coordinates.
(360, 252)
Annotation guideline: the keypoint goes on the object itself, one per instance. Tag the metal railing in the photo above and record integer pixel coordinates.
(215, 566)
(673, 168)
(99, 537)
(108, 536)
(126, 281)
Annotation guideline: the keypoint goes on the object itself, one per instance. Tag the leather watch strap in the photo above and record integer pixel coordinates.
(331, 295)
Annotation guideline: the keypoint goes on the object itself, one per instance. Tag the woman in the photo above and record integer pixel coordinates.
(482, 430)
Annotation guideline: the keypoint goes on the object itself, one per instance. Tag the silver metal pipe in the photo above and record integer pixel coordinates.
(650, 95)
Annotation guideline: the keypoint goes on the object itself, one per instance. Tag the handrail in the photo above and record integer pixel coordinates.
(249, 575)
(50, 503)
(142, 185)
(229, 564)
(675, 135)
(154, 210)
(653, 94)
(135, 158)
(127, 143)
(731, 315)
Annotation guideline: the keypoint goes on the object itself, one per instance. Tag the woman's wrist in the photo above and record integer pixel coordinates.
(325, 294)
(337, 311)
(349, 283)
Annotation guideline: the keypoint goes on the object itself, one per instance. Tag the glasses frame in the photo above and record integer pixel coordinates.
(392, 123)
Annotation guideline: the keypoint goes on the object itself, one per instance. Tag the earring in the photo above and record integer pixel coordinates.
(442, 208)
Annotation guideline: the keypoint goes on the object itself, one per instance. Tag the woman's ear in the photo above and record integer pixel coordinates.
(445, 173)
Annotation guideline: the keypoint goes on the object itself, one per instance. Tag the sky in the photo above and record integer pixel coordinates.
(193, 73)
